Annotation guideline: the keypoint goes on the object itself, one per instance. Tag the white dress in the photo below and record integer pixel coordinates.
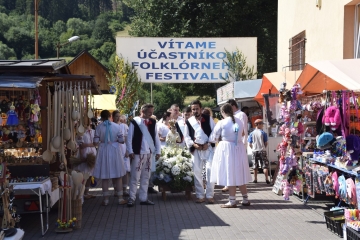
(230, 165)
(109, 160)
(87, 137)
(163, 131)
(124, 130)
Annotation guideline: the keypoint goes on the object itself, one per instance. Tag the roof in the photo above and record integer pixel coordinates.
(330, 75)
(85, 52)
(272, 81)
(39, 65)
(246, 89)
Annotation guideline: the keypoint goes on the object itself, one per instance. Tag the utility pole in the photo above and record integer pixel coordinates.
(36, 29)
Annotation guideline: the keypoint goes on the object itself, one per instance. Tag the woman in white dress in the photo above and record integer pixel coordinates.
(109, 161)
(164, 128)
(230, 165)
(121, 120)
(86, 147)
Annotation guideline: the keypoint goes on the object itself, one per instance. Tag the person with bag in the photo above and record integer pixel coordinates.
(143, 146)
(109, 160)
(230, 166)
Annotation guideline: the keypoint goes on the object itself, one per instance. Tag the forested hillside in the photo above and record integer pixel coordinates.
(95, 21)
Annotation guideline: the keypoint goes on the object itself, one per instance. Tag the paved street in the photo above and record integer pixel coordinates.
(269, 217)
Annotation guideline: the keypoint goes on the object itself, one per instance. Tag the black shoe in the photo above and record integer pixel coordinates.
(152, 190)
(267, 181)
(255, 181)
(131, 202)
(147, 202)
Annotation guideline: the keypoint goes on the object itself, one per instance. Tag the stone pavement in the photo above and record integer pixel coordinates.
(269, 217)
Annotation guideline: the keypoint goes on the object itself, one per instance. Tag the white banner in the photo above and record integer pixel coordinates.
(183, 60)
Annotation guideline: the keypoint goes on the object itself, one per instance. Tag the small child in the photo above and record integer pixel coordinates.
(258, 142)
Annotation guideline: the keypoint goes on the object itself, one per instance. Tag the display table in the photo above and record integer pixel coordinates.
(39, 189)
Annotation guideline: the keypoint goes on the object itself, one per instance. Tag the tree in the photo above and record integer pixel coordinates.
(237, 68)
(125, 82)
(18, 39)
(6, 52)
(102, 31)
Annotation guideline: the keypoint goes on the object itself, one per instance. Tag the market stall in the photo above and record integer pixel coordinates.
(319, 153)
(42, 107)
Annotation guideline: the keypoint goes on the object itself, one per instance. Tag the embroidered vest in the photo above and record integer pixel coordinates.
(205, 127)
(137, 137)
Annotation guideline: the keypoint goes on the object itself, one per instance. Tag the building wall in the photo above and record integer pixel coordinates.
(85, 65)
(329, 29)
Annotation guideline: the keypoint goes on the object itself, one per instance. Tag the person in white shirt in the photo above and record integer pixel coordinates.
(197, 131)
(163, 128)
(143, 144)
(180, 124)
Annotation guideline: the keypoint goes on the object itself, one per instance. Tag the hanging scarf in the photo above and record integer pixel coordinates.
(107, 123)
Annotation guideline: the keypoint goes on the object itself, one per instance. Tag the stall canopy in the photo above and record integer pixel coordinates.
(105, 102)
(272, 82)
(330, 75)
(240, 91)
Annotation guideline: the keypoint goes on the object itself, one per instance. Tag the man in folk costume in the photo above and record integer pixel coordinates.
(180, 124)
(196, 134)
(143, 145)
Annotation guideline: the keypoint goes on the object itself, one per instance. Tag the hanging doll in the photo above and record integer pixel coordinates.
(351, 191)
(35, 110)
(19, 107)
(12, 117)
(287, 189)
(335, 181)
(342, 187)
(328, 184)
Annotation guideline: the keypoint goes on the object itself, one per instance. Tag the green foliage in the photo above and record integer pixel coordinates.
(237, 68)
(6, 52)
(17, 38)
(124, 78)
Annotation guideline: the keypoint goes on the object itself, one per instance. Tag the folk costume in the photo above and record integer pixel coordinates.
(87, 137)
(109, 160)
(143, 140)
(198, 132)
(230, 166)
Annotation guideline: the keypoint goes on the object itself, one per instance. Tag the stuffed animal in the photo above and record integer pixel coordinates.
(332, 117)
(297, 186)
(287, 189)
(335, 181)
(353, 147)
(286, 166)
(342, 187)
(351, 191)
(323, 139)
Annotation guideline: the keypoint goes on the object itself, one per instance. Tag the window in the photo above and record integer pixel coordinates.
(297, 52)
(357, 32)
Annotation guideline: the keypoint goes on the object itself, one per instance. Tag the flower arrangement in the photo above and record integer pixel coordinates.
(63, 224)
(174, 169)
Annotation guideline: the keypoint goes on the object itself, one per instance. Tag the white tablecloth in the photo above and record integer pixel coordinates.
(44, 187)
